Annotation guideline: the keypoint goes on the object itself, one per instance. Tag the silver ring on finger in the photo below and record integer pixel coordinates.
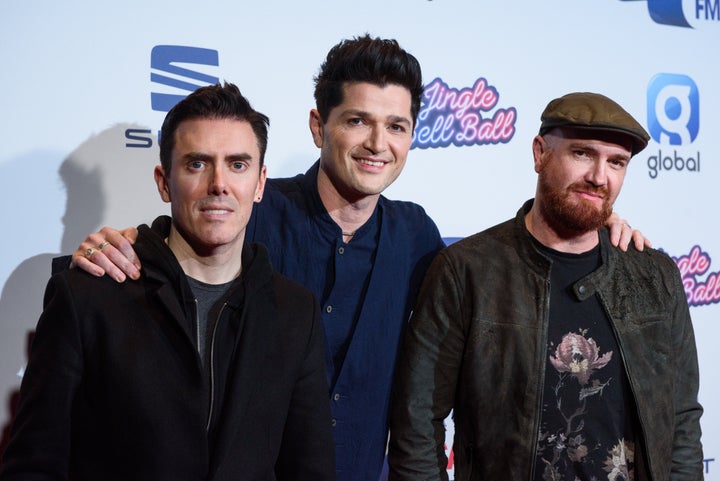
(103, 244)
(89, 252)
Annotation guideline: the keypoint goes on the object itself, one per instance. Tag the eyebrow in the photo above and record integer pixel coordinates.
(395, 119)
(579, 144)
(232, 157)
(398, 119)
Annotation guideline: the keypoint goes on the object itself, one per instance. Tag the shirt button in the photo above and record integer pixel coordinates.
(333, 423)
(328, 309)
(582, 289)
(336, 396)
(341, 251)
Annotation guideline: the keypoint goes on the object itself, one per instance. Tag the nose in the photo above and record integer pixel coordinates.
(217, 184)
(597, 175)
(376, 140)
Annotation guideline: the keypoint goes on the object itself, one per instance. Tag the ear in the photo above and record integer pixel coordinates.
(163, 183)
(316, 128)
(539, 148)
(261, 184)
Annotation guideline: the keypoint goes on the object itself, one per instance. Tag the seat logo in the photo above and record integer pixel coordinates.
(172, 66)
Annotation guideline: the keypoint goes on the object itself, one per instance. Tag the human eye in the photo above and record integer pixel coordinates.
(618, 164)
(196, 165)
(398, 128)
(355, 121)
(238, 165)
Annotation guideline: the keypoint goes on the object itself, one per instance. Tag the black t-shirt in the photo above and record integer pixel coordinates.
(587, 422)
(208, 297)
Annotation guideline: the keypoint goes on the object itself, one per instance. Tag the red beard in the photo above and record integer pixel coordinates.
(567, 218)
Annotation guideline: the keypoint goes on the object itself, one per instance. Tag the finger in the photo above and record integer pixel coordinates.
(97, 256)
(118, 268)
(640, 240)
(130, 234)
(616, 228)
(79, 261)
(122, 242)
(625, 236)
(116, 263)
(81, 257)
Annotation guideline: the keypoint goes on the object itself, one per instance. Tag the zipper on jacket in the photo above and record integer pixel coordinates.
(211, 360)
(202, 355)
(197, 328)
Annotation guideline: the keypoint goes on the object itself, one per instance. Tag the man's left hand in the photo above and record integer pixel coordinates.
(621, 234)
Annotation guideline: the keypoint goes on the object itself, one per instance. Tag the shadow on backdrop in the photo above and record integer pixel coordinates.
(106, 183)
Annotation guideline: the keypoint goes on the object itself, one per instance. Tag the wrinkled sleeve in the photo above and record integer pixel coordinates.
(426, 378)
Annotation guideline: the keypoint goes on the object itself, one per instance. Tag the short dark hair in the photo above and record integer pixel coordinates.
(364, 59)
(212, 102)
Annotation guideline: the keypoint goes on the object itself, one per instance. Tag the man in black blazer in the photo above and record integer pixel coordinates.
(211, 366)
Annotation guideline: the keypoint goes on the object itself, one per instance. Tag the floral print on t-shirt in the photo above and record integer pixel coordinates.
(569, 446)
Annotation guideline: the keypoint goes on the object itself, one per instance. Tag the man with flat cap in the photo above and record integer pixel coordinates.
(562, 358)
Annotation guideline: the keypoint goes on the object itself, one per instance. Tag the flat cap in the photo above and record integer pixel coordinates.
(591, 111)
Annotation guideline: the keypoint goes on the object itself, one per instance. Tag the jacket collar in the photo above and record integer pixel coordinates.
(541, 264)
(167, 282)
(161, 265)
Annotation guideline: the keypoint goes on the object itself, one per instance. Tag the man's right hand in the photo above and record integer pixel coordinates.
(109, 252)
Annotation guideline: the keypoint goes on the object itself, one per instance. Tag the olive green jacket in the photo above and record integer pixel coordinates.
(477, 341)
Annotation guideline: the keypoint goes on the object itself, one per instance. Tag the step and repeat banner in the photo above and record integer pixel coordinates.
(85, 86)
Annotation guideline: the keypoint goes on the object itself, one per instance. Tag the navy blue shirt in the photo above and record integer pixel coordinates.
(366, 288)
(348, 273)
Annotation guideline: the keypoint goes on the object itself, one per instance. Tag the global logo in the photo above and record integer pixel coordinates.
(670, 12)
(673, 113)
(673, 104)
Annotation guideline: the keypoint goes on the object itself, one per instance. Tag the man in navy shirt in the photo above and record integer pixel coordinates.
(331, 230)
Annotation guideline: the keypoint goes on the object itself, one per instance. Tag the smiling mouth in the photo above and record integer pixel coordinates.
(371, 163)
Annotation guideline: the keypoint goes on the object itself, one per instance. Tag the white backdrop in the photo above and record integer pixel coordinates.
(78, 127)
